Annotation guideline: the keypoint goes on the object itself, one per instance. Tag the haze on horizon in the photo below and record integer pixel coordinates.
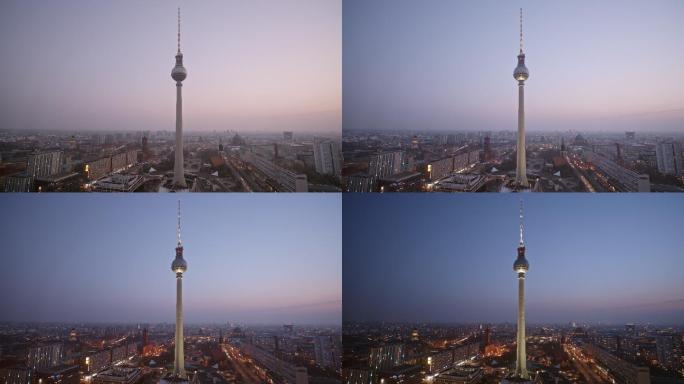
(593, 258)
(258, 259)
(95, 65)
(448, 65)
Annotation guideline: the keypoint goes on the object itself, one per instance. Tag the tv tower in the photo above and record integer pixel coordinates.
(521, 74)
(179, 74)
(179, 266)
(520, 267)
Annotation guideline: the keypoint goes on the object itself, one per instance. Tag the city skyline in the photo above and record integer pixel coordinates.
(451, 262)
(254, 67)
(236, 276)
(445, 66)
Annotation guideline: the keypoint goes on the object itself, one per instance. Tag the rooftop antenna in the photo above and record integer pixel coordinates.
(179, 30)
(522, 228)
(521, 40)
(179, 225)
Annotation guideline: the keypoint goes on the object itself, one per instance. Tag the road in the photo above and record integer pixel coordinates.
(241, 365)
(245, 186)
(580, 175)
(581, 362)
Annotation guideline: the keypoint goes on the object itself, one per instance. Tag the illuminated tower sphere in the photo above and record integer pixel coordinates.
(521, 74)
(179, 74)
(179, 266)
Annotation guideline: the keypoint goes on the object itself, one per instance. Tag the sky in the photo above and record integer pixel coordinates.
(258, 65)
(448, 65)
(449, 258)
(255, 259)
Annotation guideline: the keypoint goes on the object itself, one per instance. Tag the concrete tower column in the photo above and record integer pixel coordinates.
(178, 171)
(521, 166)
(179, 361)
(521, 356)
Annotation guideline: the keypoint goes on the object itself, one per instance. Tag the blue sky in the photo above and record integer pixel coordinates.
(448, 65)
(449, 258)
(267, 258)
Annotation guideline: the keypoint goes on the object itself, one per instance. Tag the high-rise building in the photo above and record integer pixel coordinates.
(18, 375)
(669, 158)
(19, 183)
(327, 157)
(521, 74)
(44, 163)
(145, 148)
(669, 350)
(386, 164)
(487, 148)
(386, 356)
(178, 73)
(45, 356)
(563, 148)
(325, 351)
(362, 183)
(288, 136)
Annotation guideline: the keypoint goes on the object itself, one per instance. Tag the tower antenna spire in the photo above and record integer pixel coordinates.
(522, 227)
(521, 37)
(179, 29)
(179, 225)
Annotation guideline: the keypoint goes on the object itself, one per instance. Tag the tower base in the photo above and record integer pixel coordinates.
(515, 380)
(170, 378)
(170, 186)
(513, 186)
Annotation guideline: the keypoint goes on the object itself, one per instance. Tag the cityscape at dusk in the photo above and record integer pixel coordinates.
(247, 310)
(205, 192)
(433, 299)
(429, 103)
(257, 97)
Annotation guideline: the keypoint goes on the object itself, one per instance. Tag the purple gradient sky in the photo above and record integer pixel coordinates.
(268, 259)
(103, 65)
(448, 65)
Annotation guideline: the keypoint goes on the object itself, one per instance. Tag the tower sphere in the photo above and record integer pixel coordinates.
(521, 73)
(521, 265)
(178, 72)
(179, 265)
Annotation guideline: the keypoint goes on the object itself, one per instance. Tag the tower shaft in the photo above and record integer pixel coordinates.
(178, 172)
(179, 361)
(521, 166)
(521, 355)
